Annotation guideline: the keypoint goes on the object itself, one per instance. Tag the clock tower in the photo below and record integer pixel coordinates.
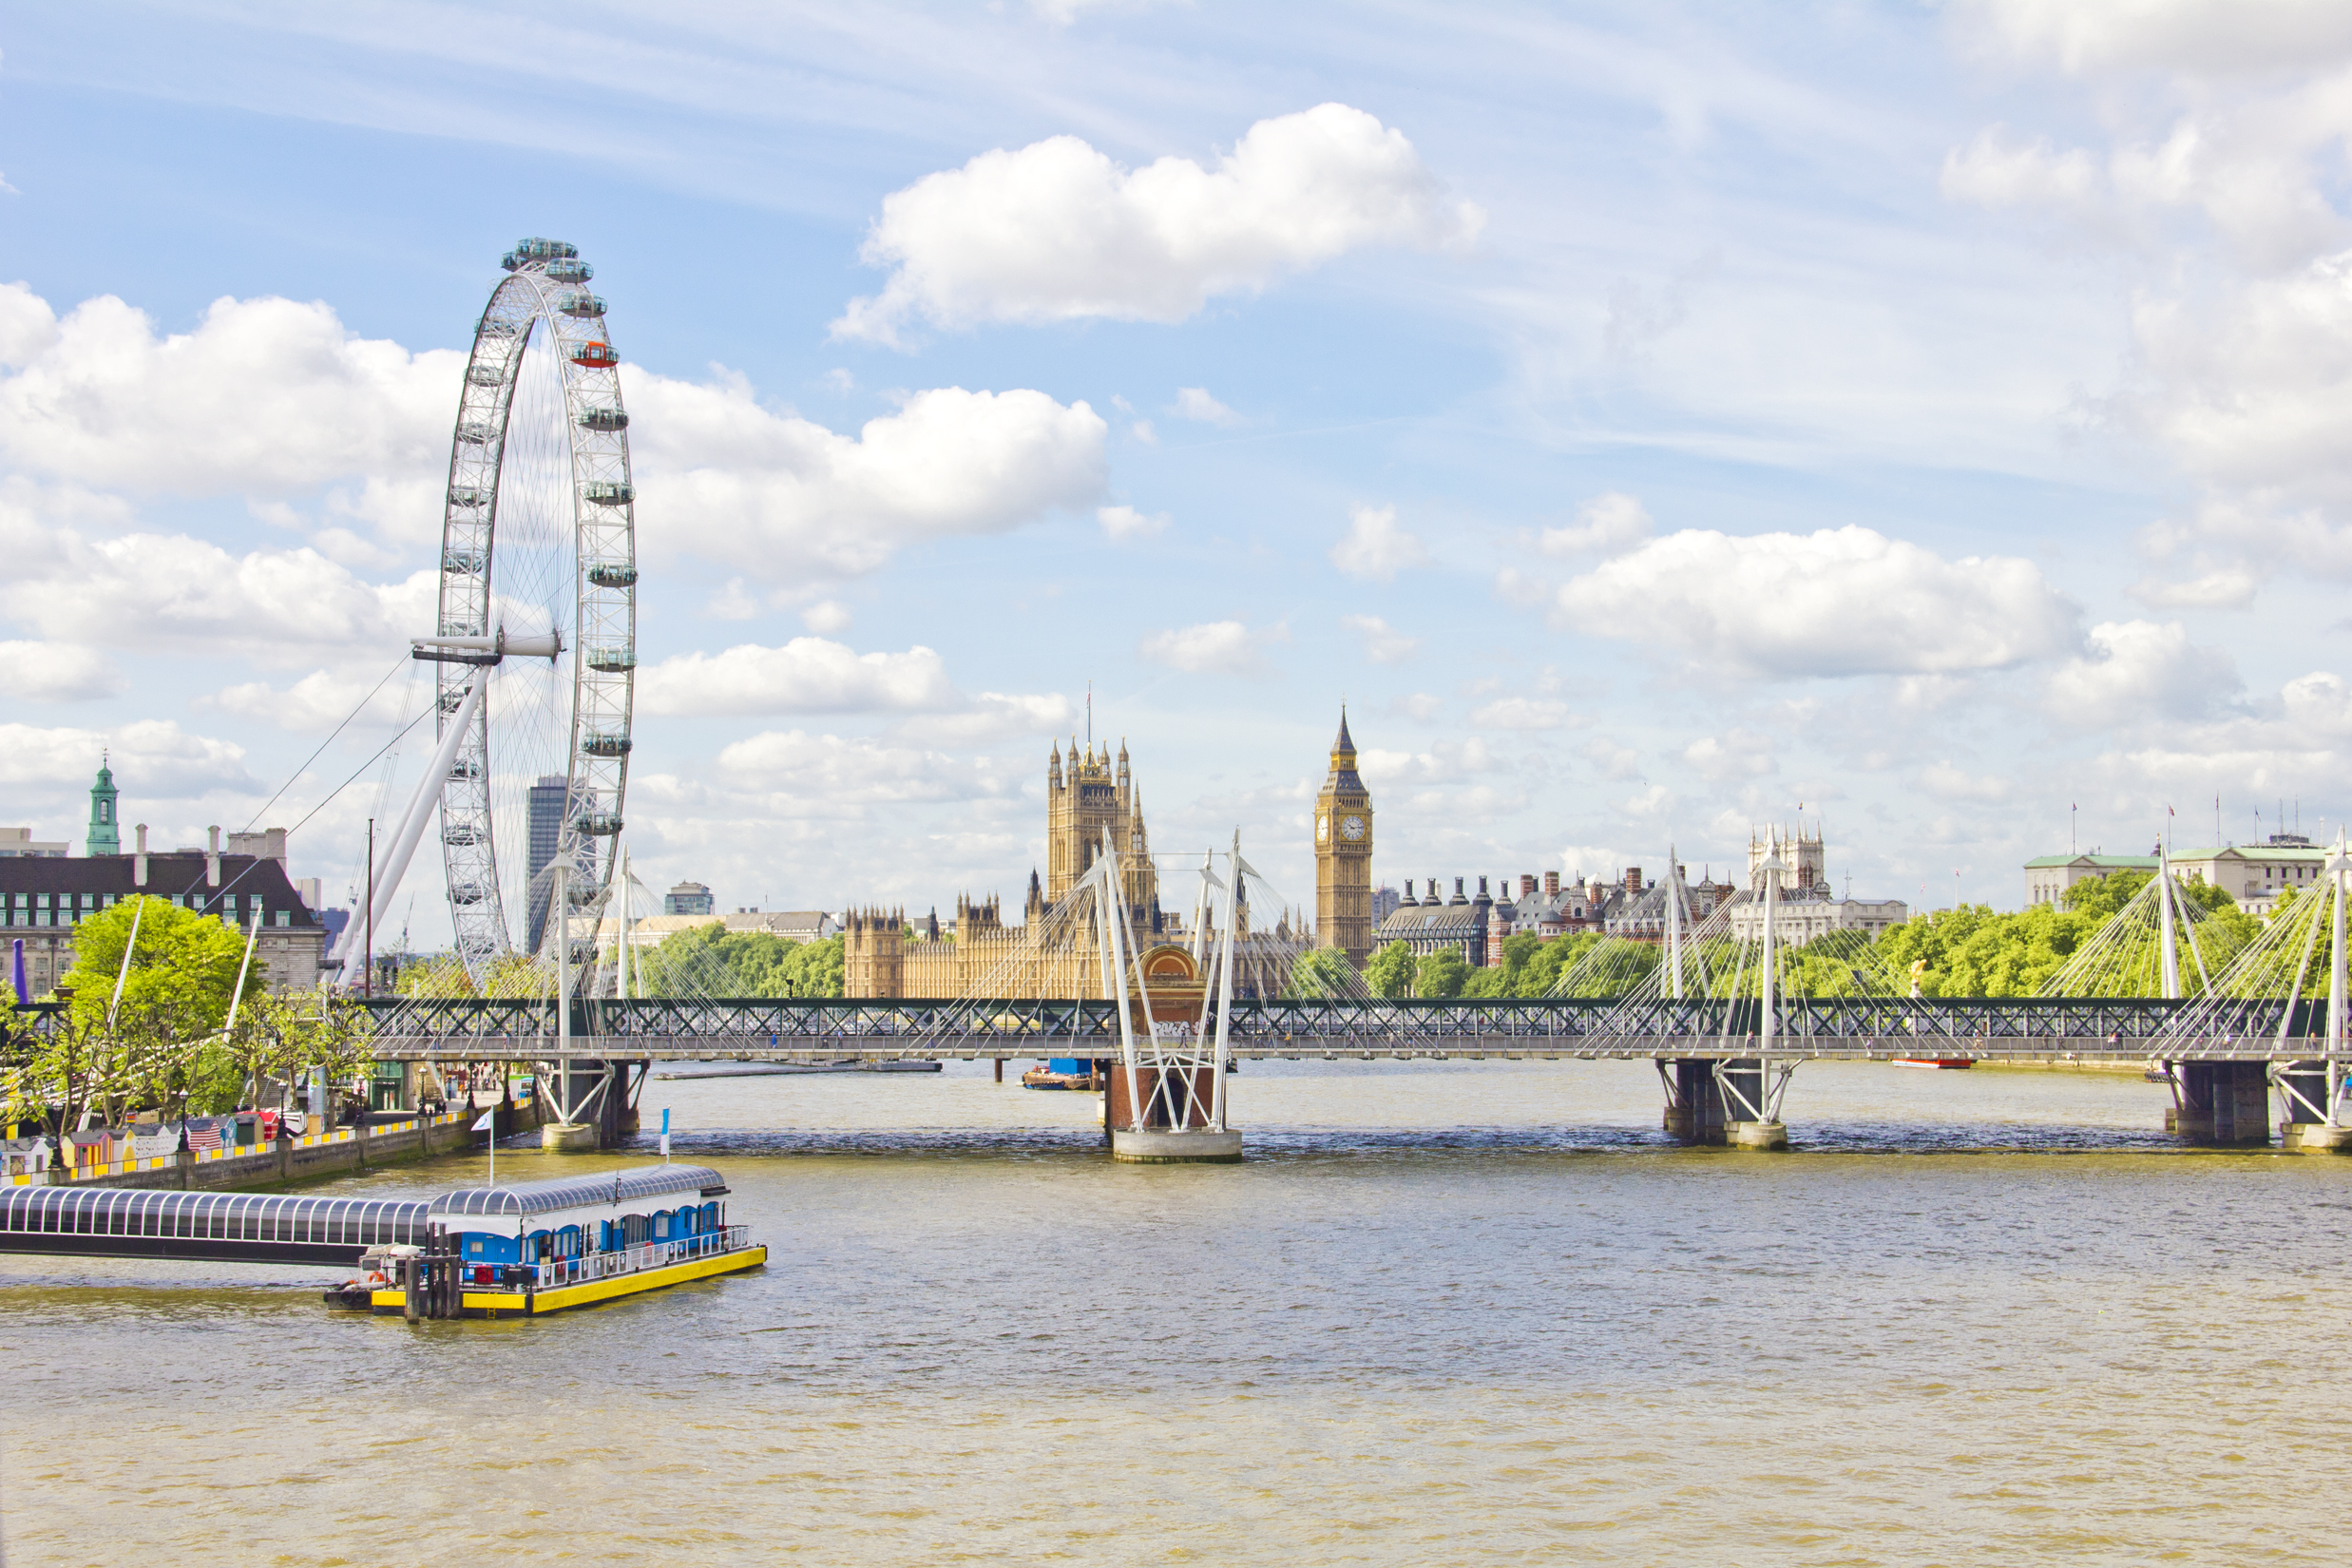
(1344, 855)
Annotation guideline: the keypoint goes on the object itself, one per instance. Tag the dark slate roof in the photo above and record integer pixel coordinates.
(1344, 778)
(1427, 921)
(560, 1193)
(168, 876)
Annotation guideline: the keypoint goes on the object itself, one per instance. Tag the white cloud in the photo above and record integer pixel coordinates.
(183, 765)
(1997, 169)
(1946, 782)
(808, 674)
(1141, 430)
(1441, 763)
(1375, 548)
(2135, 671)
(1383, 644)
(1127, 523)
(273, 400)
(1194, 402)
(58, 672)
(1057, 232)
(1422, 707)
(732, 481)
(1213, 647)
(2248, 394)
(993, 717)
(265, 397)
(1607, 525)
(1837, 603)
(169, 591)
(2201, 36)
(1732, 756)
(1655, 801)
(826, 616)
(321, 700)
(1612, 761)
(1524, 713)
(797, 771)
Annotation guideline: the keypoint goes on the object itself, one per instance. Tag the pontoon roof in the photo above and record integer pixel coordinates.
(583, 1192)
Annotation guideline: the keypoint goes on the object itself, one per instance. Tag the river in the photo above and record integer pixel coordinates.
(1446, 1314)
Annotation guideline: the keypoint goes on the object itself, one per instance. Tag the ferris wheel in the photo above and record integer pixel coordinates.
(535, 639)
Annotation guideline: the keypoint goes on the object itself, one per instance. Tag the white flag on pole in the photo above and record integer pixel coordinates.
(489, 1118)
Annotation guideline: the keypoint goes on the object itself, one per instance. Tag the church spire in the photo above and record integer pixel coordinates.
(106, 834)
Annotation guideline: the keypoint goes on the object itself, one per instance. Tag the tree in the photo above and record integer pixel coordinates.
(141, 1048)
(1391, 971)
(710, 959)
(1442, 973)
(1321, 973)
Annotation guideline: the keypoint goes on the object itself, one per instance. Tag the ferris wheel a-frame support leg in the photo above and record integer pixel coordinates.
(421, 807)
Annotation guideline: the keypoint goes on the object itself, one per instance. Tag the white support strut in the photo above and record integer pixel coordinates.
(421, 807)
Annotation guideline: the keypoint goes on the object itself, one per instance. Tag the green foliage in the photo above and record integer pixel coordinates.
(162, 1047)
(184, 966)
(1390, 970)
(1321, 973)
(715, 961)
(1442, 973)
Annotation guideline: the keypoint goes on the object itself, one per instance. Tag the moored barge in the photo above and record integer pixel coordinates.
(541, 1247)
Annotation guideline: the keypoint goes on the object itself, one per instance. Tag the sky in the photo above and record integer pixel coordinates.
(1651, 421)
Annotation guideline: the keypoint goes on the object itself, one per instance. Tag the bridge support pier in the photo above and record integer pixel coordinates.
(1693, 1106)
(1734, 1104)
(2310, 1090)
(1155, 1121)
(1751, 1093)
(2222, 1103)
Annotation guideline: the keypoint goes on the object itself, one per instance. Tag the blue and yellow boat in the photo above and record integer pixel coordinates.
(540, 1247)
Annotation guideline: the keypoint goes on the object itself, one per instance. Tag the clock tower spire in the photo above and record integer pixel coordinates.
(1343, 854)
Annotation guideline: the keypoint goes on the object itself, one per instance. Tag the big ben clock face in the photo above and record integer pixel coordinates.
(1353, 829)
(1323, 829)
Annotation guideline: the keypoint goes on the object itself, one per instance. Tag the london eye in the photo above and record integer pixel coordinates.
(535, 635)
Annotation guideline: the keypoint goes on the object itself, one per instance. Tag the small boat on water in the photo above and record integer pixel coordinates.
(1934, 1061)
(541, 1247)
(1062, 1073)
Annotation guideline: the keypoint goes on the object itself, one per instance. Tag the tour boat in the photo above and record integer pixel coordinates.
(540, 1247)
(1935, 1062)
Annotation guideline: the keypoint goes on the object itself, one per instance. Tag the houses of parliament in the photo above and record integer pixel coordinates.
(1095, 794)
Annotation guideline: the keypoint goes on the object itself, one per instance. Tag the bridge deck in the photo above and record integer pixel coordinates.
(1989, 1029)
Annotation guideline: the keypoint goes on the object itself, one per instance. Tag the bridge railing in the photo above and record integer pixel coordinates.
(1089, 1027)
(630, 1260)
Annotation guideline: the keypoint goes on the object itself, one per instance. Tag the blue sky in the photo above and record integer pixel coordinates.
(1650, 419)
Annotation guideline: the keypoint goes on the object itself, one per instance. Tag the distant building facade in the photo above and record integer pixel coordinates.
(687, 898)
(792, 925)
(18, 843)
(1436, 925)
(1805, 909)
(1094, 801)
(2256, 874)
(2047, 877)
(43, 900)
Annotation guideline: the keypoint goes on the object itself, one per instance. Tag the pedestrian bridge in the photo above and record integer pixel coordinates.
(1989, 1029)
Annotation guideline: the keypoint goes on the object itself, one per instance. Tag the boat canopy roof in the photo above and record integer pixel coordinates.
(582, 1192)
